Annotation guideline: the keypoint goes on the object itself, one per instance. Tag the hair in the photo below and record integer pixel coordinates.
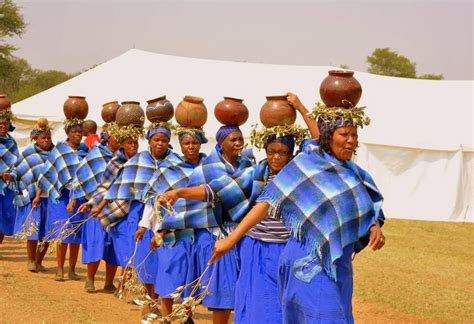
(67, 129)
(89, 126)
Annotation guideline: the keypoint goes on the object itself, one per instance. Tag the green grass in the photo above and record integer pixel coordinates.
(426, 269)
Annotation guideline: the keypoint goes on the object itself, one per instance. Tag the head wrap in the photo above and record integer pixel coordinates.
(288, 140)
(225, 131)
(197, 135)
(154, 131)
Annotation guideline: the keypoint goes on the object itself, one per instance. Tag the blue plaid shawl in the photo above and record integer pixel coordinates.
(29, 167)
(8, 156)
(171, 175)
(136, 174)
(90, 171)
(325, 204)
(60, 169)
(232, 186)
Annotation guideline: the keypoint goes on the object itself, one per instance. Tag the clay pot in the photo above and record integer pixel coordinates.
(339, 88)
(191, 112)
(76, 107)
(5, 103)
(159, 109)
(277, 111)
(231, 111)
(130, 113)
(109, 110)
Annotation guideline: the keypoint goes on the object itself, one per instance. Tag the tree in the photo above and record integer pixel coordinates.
(11, 24)
(384, 61)
(430, 76)
(344, 66)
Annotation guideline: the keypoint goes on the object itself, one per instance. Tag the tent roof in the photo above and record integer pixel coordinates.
(412, 113)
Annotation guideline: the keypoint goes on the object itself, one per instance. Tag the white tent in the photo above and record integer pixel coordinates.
(419, 147)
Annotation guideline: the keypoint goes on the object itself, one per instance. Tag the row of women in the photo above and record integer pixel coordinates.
(278, 235)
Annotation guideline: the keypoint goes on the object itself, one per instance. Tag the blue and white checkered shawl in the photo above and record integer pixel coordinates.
(29, 168)
(90, 171)
(171, 175)
(60, 169)
(8, 155)
(325, 204)
(136, 174)
(233, 187)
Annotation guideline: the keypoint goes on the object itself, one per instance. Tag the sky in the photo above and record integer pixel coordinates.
(76, 35)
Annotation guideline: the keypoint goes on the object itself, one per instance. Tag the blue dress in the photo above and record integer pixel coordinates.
(7, 212)
(57, 216)
(96, 243)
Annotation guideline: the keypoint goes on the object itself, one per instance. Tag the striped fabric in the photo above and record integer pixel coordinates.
(325, 204)
(90, 171)
(60, 169)
(29, 167)
(8, 155)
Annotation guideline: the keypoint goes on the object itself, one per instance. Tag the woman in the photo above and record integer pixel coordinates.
(218, 195)
(173, 255)
(88, 176)
(56, 182)
(128, 188)
(32, 210)
(327, 203)
(8, 156)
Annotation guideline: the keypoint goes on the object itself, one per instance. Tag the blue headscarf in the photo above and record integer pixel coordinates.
(225, 131)
(158, 130)
(197, 135)
(288, 140)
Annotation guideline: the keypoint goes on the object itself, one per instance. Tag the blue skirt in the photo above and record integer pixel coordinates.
(57, 216)
(225, 272)
(7, 213)
(39, 215)
(256, 291)
(173, 267)
(122, 235)
(96, 243)
(146, 261)
(320, 300)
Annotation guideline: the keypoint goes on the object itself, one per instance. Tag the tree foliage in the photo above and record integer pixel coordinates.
(11, 23)
(384, 61)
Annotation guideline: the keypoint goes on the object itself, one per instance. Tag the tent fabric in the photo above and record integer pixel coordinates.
(419, 147)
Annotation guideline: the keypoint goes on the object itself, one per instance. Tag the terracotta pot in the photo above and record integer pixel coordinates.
(159, 109)
(130, 113)
(277, 111)
(76, 107)
(5, 103)
(339, 88)
(231, 111)
(191, 112)
(109, 111)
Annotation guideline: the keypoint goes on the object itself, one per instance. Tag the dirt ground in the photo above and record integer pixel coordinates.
(27, 297)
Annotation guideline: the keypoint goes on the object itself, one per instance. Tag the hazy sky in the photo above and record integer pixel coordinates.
(74, 35)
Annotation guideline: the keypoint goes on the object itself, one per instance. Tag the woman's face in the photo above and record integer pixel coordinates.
(4, 127)
(159, 145)
(75, 135)
(190, 147)
(130, 147)
(344, 142)
(278, 156)
(43, 140)
(113, 144)
(233, 144)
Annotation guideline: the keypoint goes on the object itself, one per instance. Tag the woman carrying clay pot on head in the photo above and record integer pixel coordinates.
(56, 183)
(30, 223)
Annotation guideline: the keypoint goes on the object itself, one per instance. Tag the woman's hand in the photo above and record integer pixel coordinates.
(36, 201)
(296, 103)
(169, 197)
(221, 248)
(95, 211)
(84, 208)
(377, 239)
(139, 233)
(70, 207)
(7, 177)
(157, 240)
